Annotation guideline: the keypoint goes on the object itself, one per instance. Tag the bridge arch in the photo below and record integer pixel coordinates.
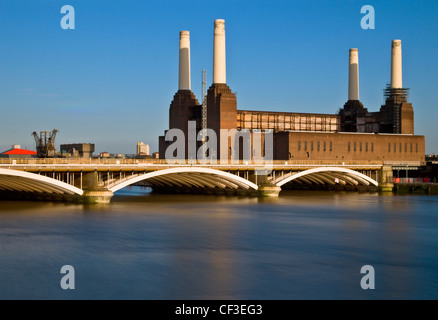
(21, 181)
(327, 174)
(188, 177)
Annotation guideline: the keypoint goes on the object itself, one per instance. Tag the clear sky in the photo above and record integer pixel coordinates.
(111, 80)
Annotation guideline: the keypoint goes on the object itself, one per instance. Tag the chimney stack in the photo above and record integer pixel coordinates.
(396, 65)
(184, 61)
(219, 65)
(353, 75)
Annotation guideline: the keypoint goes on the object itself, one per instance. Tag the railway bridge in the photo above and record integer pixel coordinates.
(96, 180)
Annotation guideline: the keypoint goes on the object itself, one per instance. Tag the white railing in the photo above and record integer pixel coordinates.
(111, 161)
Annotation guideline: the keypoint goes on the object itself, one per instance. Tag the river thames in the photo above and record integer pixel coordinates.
(302, 245)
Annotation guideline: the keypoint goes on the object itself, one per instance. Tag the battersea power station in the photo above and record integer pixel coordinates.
(354, 133)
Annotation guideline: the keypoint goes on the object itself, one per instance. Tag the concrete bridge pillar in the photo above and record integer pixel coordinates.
(97, 195)
(265, 188)
(268, 190)
(93, 193)
(386, 179)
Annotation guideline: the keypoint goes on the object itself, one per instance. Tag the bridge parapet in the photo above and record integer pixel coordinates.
(147, 162)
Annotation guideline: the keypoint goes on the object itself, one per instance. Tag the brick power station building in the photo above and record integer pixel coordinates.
(352, 134)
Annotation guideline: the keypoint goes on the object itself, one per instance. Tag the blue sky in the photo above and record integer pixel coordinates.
(111, 80)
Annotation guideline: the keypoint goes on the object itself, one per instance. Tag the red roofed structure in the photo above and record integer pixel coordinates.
(17, 152)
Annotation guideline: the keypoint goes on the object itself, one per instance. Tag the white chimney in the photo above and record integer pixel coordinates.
(396, 65)
(184, 61)
(219, 63)
(353, 75)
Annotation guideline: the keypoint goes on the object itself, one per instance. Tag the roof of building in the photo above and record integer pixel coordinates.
(19, 152)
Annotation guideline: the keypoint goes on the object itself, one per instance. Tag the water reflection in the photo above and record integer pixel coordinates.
(302, 245)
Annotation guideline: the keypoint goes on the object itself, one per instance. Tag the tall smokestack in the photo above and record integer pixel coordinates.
(184, 61)
(219, 65)
(353, 75)
(396, 65)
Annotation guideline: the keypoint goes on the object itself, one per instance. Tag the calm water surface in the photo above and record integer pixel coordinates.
(303, 245)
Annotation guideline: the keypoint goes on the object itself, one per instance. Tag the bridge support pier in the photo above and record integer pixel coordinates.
(97, 196)
(386, 183)
(268, 190)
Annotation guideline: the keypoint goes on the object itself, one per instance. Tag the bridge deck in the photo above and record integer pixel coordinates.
(130, 165)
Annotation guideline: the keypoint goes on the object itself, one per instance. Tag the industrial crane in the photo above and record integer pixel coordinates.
(45, 143)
